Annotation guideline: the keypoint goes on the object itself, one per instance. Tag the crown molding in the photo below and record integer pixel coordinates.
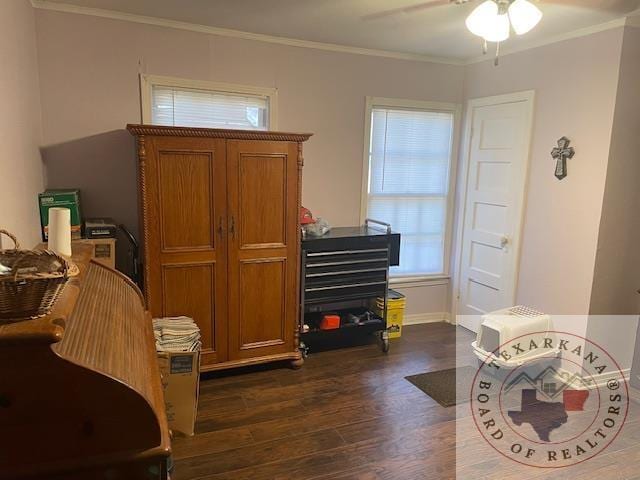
(581, 32)
(633, 19)
(227, 32)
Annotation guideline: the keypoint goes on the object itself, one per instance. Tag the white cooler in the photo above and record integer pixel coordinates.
(502, 326)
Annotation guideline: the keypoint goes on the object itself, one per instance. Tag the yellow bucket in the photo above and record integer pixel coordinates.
(395, 312)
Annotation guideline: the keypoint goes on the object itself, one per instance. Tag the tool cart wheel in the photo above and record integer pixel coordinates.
(384, 341)
(304, 350)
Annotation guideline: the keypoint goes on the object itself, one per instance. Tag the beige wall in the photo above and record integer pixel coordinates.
(575, 83)
(617, 269)
(426, 303)
(20, 129)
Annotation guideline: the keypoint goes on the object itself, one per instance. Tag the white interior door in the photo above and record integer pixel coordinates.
(497, 164)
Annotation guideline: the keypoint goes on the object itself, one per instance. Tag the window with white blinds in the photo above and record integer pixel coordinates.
(410, 154)
(177, 105)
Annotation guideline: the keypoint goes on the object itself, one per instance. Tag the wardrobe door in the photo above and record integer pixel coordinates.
(186, 235)
(263, 223)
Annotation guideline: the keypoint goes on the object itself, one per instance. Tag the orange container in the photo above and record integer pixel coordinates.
(330, 322)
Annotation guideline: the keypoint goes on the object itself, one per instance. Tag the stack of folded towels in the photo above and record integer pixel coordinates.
(176, 334)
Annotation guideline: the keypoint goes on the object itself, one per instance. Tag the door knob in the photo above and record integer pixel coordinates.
(504, 241)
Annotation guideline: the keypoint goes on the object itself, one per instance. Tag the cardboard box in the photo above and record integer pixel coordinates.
(104, 250)
(180, 373)
(64, 199)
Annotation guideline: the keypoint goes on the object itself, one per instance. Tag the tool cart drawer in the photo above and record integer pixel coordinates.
(336, 275)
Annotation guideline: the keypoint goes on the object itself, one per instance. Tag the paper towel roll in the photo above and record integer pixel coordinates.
(60, 231)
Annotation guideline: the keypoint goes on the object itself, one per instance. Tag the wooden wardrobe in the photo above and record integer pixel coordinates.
(221, 235)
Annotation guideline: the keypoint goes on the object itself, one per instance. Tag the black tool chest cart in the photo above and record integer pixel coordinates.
(343, 273)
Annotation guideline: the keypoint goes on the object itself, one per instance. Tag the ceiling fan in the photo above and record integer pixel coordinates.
(617, 5)
(492, 20)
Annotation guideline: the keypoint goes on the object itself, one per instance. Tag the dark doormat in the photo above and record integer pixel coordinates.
(447, 387)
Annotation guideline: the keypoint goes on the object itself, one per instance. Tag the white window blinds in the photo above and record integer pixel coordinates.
(409, 165)
(205, 108)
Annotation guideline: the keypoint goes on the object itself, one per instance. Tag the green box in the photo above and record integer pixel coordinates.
(65, 199)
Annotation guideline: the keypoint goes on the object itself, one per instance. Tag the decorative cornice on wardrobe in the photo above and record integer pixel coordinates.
(156, 130)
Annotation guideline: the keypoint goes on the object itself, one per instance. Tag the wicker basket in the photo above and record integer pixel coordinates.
(30, 282)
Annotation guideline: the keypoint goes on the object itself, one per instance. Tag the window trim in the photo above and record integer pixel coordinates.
(147, 82)
(399, 103)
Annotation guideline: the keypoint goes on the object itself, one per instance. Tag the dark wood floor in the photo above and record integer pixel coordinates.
(350, 414)
(346, 414)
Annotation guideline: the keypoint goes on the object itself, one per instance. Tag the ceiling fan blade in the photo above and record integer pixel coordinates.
(618, 6)
(409, 9)
(423, 6)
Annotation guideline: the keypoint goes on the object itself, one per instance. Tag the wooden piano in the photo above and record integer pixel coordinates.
(80, 391)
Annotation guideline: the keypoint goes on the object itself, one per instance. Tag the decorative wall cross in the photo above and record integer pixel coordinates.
(561, 153)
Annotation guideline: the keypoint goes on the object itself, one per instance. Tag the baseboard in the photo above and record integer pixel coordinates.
(418, 318)
(602, 379)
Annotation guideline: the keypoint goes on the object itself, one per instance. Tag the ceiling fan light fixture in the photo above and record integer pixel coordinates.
(499, 29)
(482, 18)
(524, 15)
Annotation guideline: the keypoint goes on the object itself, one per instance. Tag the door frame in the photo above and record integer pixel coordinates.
(523, 96)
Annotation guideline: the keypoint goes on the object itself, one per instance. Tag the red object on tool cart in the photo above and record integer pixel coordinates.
(330, 322)
(306, 217)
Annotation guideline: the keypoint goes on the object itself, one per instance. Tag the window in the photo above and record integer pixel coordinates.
(549, 388)
(408, 155)
(188, 103)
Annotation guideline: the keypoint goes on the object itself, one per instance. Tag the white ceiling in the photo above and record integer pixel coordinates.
(436, 30)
